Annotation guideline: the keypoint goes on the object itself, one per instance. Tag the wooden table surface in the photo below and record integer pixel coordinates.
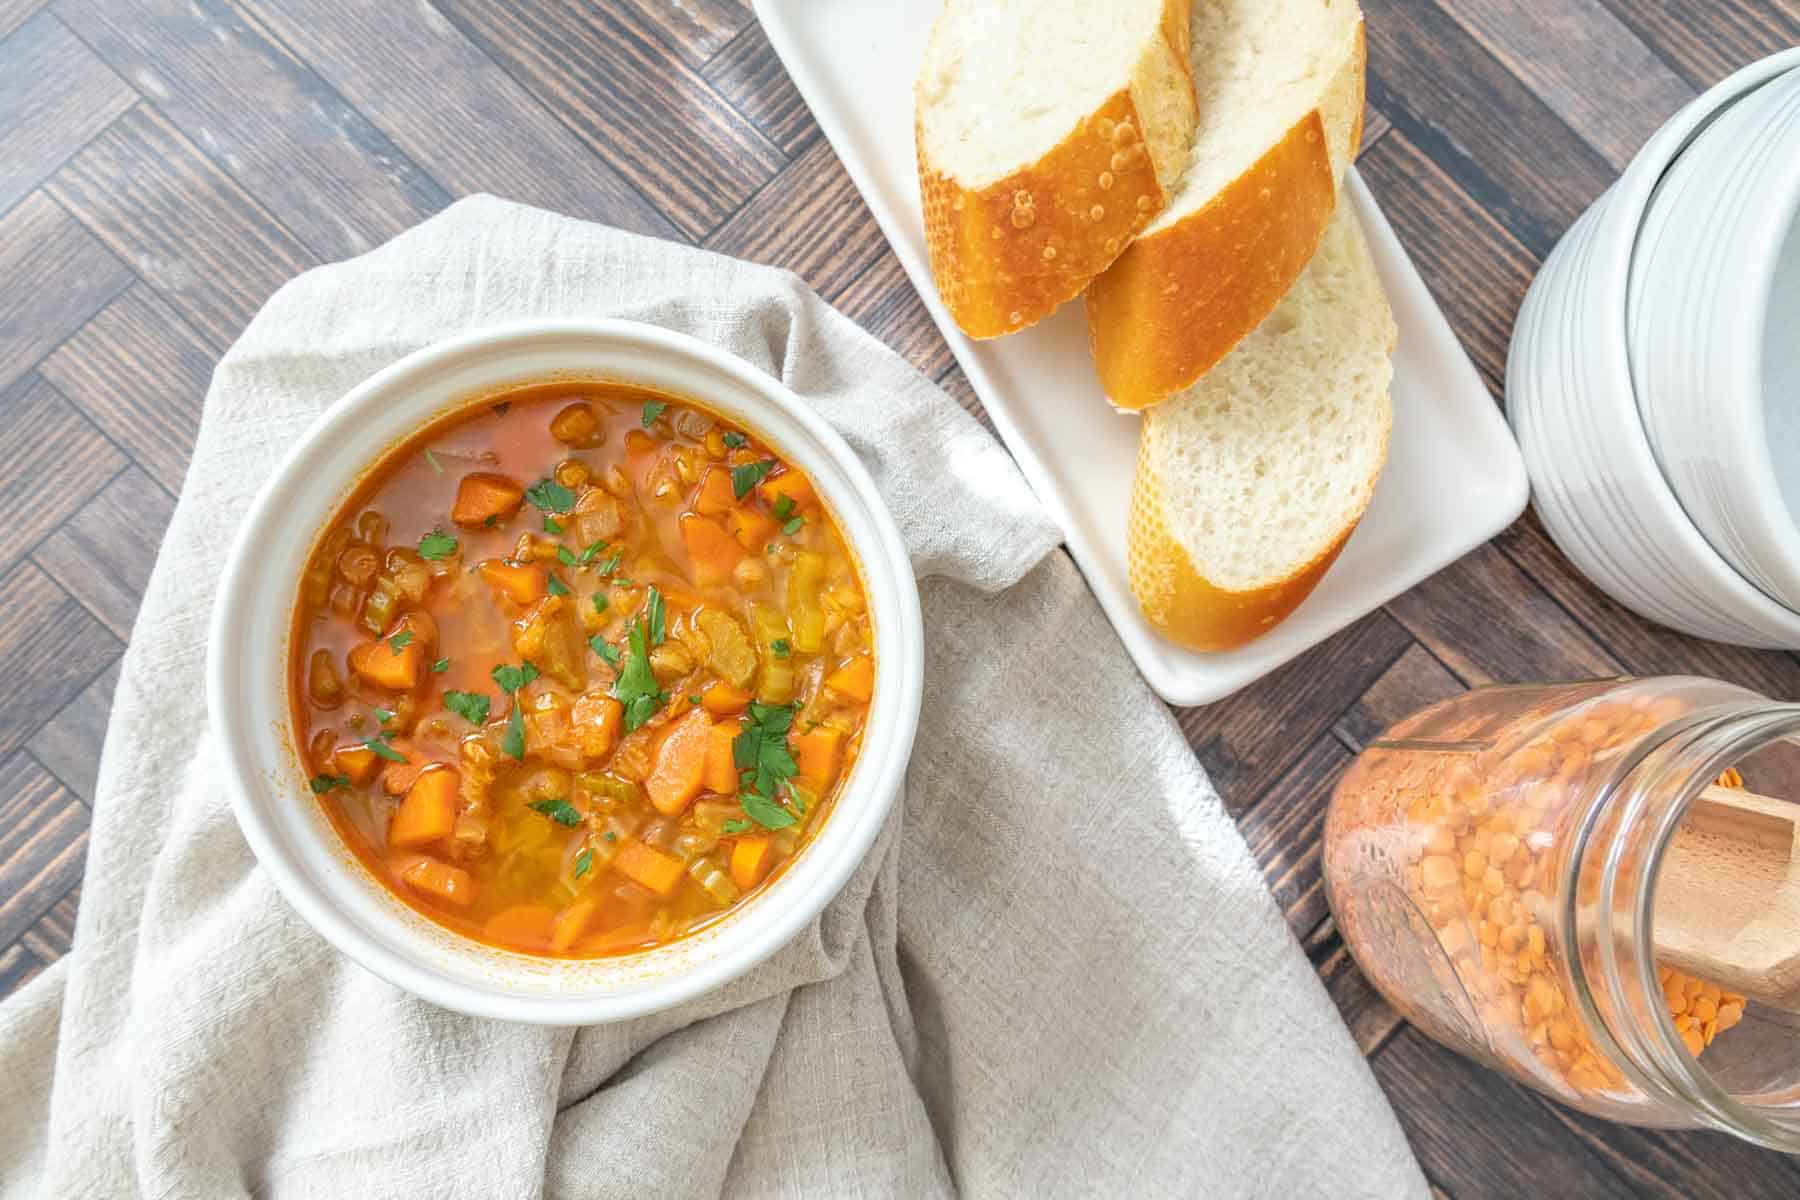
(166, 164)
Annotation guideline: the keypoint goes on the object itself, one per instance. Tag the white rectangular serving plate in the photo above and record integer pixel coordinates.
(1454, 476)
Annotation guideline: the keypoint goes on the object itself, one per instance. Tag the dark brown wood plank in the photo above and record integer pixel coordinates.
(1491, 623)
(54, 96)
(1375, 127)
(57, 276)
(52, 650)
(1415, 681)
(648, 114)
(139, 372)
(751, 78)
(18, 967)
(451, 109)
(1589, 68)
(1685, 1165)
(53, 935)
(883, 301)
(52, 464)
(69, 743)
(694, 29)
(43, 838)
(313, 161)
(1282, 830)
(103, 553)
(1371, 1019)
(1478, 122)
(1250, 740)
(190, 232)
(1481, 1133)
(1707, 42)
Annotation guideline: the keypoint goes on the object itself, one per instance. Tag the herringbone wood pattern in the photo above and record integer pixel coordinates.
(165, 165)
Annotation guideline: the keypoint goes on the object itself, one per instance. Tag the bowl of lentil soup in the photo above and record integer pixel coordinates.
(565, 670)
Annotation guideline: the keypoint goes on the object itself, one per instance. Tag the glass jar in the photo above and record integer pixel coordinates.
(1492, 865)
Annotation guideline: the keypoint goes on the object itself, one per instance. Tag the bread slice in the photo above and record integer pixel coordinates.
(1049, 133)
(1250, 482)
(1280, 86)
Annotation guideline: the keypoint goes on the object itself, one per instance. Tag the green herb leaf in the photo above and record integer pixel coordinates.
(550, 496)
(584, 862)
(784, 507)
(588, 552)
(558, 810)
(793, 526)
(656, 617)
(766, 812)
(652, 410)
(736, 440)
(749, 475)
(470, 706)
(600, 603)
(491, 520)
(611, 564)
(511, 678)
(694, 698)
(383, 750)
(736, 826)
(321, 784)
(780, 647)
(760, 752)
(514, 741)
(556, 586)
(552, 525)
(436, 545)
(432, 459)
(636, 687)
(564, 557)
(610, 836)
(384, 715)
(604, 649)
(440, 666)
(401, 640)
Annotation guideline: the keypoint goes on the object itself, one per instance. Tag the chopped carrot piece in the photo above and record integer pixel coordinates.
(571, 923)
(680, 764)
(721, 769)
(648, 868)
(397, 777)
(722, 700)
(751, 529)
(382, 665)
(524, 583)
(715, 497)
(816, 754)
(427, 813)
(789, 483)
(358, 763)
(611, 941)
(855, 679)
(527, 926)
(441, 880)
(750, 861)
(482, 495)
(713, 551)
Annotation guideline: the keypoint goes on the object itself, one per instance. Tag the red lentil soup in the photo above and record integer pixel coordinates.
(580, 668)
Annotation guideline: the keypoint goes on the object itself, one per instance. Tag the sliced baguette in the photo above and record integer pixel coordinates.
(1280, 86)
(1250, 482)
(1049, 132)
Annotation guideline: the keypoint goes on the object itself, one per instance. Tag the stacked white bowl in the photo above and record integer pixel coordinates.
(1654, 376)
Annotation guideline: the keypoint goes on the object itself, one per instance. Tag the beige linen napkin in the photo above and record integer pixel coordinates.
(1058, 973)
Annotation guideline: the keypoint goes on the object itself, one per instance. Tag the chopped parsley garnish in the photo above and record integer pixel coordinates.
(432, 459)
(635, 688)
(321, 784)
(600, 603)
(401, 640)
(588, 552)
(470, 706)
(749, 475)
(780, 647)
(736, 826)
(552, 525)
(611, 564)
(766, 812)
(793, 526)
(604, 649)
(652, 410)
(610, 836)
(764, 763)
(491, 520)
(511, 678)
(436, 545)
(736, 440)
(784, 507)
(655, 617)
(558, 810)
(564, 557)
(694, 698)
(383, 750)
(384, 715)
(550, 496)
(440, 666)
(584, 862)
(556, 587)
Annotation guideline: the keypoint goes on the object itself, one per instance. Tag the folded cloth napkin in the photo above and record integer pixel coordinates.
(1058, 972)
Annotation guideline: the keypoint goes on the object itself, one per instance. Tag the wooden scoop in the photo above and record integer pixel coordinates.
(1728, 901)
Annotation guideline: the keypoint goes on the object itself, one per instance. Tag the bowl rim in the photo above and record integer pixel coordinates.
(887, 563)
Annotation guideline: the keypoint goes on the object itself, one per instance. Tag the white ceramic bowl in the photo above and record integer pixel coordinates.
(1595, 481)
(1703, 284)
(247, 685)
